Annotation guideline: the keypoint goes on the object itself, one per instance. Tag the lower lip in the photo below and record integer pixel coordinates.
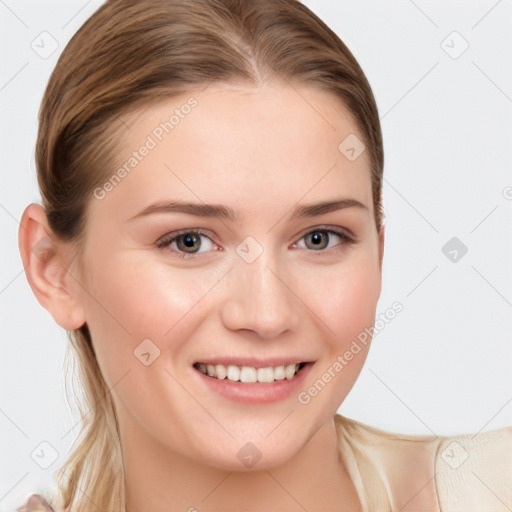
(256, 392)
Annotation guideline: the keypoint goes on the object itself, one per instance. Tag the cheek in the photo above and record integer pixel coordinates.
(136, 301)
(343, 298)
(131, 300)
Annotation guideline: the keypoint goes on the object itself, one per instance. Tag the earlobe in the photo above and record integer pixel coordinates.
(46, 264)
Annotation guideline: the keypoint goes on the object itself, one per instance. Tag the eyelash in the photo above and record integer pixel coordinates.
(168, 239)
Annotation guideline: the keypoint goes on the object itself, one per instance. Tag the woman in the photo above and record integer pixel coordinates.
(211, 237)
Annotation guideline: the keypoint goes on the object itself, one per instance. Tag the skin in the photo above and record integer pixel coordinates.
(261, 151)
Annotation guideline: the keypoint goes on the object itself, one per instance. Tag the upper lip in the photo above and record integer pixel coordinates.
(253, 361)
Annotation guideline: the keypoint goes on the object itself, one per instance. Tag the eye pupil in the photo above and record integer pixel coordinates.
(317, 237)
(188, 240)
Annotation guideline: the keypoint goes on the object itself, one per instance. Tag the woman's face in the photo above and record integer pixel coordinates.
(268, 283)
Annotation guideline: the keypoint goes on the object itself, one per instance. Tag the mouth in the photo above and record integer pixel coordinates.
(250, 374)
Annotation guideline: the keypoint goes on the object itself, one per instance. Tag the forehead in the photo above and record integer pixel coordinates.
(248, 147)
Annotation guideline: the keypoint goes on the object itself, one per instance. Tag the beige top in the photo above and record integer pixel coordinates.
(413, 473)
(406, 473)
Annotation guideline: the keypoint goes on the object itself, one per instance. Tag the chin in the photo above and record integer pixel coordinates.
(251, 457)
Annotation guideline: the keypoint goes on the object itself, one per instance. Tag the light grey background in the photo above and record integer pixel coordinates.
(443, 364)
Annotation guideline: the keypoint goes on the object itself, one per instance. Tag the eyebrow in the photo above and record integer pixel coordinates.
(225, 212)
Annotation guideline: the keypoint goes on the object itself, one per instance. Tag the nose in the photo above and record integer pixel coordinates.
(260, 300)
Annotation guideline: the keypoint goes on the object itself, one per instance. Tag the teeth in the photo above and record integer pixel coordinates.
(233, 373)
(279, 373)
(289, 371)
(265, 374)
(220, 371)
(249, 373)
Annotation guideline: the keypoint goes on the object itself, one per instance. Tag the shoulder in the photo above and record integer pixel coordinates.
(37, 503)
(429, 472)
(475, 470)
(390, 471)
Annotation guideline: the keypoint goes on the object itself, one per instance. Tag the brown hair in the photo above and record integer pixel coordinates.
(129, 55)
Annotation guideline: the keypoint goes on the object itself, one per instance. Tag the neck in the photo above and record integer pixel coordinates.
(156, 479)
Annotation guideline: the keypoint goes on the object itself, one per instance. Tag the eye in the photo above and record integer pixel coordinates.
(320, 238)
(186, 243)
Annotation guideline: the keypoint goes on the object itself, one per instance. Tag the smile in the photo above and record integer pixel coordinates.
(249, 374)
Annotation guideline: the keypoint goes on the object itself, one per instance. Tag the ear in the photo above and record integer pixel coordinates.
(46, 261)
